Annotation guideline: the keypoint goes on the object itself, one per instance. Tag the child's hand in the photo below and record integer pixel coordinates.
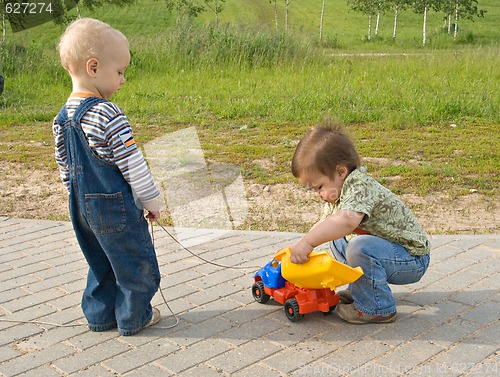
(300, 251)
(153, 216)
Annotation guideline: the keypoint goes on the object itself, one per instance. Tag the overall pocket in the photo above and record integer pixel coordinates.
(105, 212)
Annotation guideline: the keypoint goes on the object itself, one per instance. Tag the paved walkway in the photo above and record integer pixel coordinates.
(448, 323)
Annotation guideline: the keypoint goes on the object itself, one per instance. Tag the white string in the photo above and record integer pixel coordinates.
(160, 289)
(42, 323)
(206, 260)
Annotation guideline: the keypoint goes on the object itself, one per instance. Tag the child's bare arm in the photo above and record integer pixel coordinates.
(333, 227)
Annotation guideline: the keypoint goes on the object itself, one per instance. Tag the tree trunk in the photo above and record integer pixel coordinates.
(276, 13)
(4, 30)
(4, 37)
(456, 22)
(216, 13)
(425, 26)
(369, 27)
(321, 21)
(378, 23)
(396, 13)
(286, 15)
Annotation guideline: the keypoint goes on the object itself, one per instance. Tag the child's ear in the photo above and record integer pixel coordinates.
(91, 67)
(342, 171)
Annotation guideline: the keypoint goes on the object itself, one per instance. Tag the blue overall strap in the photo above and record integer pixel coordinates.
(62, 117)
(84, 106)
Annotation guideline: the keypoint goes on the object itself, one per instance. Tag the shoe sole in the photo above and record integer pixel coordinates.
(376, 320)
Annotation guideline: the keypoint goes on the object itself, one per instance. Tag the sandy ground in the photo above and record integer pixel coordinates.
(281, 207)
(437, 213)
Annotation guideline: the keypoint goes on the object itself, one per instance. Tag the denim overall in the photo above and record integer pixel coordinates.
(113, 235)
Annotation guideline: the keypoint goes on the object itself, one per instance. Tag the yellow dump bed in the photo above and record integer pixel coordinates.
(320, 271)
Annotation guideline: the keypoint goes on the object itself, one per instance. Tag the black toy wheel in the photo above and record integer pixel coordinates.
(258, 292)
(292, 310)
(331, 310)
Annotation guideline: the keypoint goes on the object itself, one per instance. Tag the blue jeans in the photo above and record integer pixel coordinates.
(113, 235)
(383, 263)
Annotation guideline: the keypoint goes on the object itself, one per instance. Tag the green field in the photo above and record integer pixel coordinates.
(252, 92)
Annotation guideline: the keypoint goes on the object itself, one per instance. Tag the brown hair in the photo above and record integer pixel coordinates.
(322, 149)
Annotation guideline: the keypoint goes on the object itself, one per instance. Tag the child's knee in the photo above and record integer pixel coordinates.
(357, 251)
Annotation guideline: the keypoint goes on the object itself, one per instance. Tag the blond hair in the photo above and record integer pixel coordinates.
(84, 39)
(322, 149)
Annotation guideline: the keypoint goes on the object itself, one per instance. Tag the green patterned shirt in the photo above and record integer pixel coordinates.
(386, 216)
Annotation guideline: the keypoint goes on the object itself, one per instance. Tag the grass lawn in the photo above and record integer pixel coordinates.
(425, 119)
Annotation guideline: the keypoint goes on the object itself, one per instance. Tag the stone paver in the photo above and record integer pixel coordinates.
(448, 322)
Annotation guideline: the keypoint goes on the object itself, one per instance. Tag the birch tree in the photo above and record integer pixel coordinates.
(398, 6)
(15, 20)
(4, 30)
(465, 9)
(216, 7)
(368, 7)
(275, 2)
(287, 2)
(448, 9)
(423, 7)
(321, 20)
(382, 7)
(184, 9)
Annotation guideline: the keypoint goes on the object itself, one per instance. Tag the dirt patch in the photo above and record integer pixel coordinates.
(39, 194)
(32, 193)
(285, 204)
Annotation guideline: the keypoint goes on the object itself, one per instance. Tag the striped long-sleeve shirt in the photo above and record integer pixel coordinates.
(110, 136)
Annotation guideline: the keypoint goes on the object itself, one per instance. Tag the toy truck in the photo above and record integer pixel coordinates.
(303, 288)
